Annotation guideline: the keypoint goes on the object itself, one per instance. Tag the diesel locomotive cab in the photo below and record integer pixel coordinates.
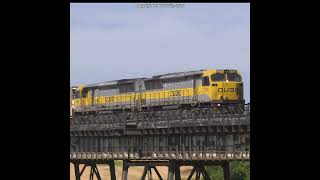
(227, 86)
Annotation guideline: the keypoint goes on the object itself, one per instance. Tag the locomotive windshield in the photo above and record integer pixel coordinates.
(234, 77)
(218, 77)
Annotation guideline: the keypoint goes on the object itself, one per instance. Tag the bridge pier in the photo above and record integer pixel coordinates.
(148, 170)
(148, 166)
(94, 169)
(174, 171)
(76, 170)
(198, 169)
(125, 168)
(226, 170)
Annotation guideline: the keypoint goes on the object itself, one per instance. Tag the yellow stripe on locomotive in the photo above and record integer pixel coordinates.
(193, 87)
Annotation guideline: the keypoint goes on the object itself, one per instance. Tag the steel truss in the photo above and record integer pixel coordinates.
(197, 137)
(94, 172)
(199, 133)
(198, 169)
(148, 166)
(174, 173)
(198, 116)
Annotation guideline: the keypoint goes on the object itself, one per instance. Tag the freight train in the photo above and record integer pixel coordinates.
(205, 87)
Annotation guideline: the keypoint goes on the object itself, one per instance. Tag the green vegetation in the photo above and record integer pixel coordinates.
(238, 171)
(118, 163)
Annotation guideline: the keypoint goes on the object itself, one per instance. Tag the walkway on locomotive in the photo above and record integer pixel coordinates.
(168, 89)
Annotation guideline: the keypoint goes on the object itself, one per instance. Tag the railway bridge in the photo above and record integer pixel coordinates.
(198, 137)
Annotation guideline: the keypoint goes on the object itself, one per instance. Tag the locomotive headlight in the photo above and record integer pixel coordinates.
(218, 104)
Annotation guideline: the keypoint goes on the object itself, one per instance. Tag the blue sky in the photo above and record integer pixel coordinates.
(116, 41)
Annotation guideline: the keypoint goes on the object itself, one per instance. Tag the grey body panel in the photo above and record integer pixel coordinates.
(178, 83)
(183, 80)
(107, 92)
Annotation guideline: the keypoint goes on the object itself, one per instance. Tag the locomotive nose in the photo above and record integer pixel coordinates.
(231, 91)
(239, 91)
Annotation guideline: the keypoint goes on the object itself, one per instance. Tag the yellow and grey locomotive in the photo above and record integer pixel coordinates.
(192, 88)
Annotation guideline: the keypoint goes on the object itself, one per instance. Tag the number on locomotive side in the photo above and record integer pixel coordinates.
(175, 93)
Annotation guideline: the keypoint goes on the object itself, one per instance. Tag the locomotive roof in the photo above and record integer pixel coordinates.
(178, 74)
(163, 76)
(109, 83)
(106, 83)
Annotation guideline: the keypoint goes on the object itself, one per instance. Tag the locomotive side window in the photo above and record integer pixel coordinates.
(234, 77)
(205, 81)
(150, 85)
(218, 77)
(125, 88)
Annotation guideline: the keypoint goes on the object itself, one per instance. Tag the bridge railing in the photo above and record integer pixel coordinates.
(236, 151)
(229, 115)
(165, 155)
